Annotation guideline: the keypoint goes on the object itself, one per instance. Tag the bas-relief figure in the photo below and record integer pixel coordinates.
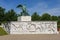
(34, 27)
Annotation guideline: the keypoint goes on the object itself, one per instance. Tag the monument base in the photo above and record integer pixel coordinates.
(24, 18)
(42, 27)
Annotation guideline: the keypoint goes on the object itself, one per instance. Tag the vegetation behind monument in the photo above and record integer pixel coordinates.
(11, 15)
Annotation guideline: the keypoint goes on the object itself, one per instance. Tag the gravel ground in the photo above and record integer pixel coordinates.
(31, 37)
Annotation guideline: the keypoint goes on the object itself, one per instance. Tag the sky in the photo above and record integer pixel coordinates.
(40, 6)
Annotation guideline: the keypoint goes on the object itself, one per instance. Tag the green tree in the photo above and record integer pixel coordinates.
(11, 15)
(35, 17)
(2, 14)
(45, 17)
(54, 18)
(58, 20)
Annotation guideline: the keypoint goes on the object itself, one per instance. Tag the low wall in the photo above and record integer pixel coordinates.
(6, 27)
(33, 27)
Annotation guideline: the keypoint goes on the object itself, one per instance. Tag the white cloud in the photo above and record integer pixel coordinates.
(44, 8)
(38, 7)
(54, 11)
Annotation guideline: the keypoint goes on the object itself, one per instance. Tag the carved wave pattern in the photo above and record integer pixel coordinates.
(34, 27)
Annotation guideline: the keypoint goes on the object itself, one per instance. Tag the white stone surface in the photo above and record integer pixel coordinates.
(24, 18)
(36, 27)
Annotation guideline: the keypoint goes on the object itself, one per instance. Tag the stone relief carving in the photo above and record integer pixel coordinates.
(34, 27)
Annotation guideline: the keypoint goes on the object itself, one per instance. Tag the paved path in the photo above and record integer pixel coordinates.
(31, 37)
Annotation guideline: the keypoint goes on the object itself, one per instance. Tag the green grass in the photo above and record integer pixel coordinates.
(2, 32)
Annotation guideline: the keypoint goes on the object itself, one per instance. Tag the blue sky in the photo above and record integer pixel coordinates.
(40, 6)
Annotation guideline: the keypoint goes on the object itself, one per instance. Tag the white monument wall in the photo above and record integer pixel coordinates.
(35, 27)
(24, 18)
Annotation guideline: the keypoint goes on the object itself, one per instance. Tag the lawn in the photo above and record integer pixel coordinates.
(2, 32)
